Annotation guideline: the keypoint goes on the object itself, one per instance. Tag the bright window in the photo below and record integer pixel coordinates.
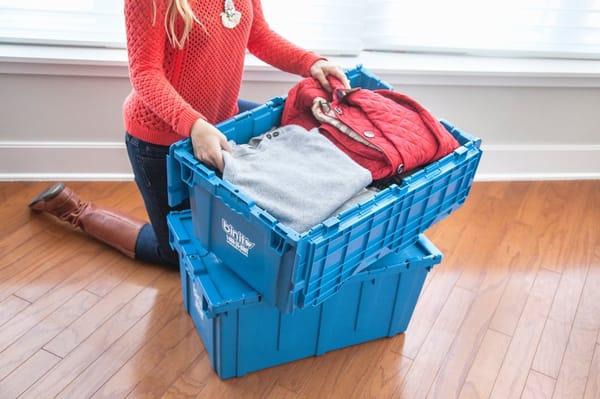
(330, 27)
(547, 28)
(63, 22)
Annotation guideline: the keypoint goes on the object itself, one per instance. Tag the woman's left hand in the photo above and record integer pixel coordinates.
(320, 69)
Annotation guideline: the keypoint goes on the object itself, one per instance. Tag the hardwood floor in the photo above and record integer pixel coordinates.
(513, 311)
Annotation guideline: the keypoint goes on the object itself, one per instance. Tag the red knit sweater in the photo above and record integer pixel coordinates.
(172, 88)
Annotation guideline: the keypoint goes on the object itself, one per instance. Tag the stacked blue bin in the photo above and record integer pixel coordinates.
(275, 270)
(242, 333)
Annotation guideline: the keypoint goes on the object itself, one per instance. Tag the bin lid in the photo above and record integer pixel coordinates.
(224, 290)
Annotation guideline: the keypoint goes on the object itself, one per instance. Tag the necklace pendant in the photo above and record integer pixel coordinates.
(230, 17)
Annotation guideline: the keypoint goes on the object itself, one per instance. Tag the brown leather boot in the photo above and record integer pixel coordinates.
(112, 227)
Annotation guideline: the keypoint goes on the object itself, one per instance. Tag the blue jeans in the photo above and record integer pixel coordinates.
(149, 164)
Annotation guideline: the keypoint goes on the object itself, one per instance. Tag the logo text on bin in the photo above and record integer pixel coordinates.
(236, 238)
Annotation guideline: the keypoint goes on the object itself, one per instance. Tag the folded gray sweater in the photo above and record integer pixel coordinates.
(298, 176)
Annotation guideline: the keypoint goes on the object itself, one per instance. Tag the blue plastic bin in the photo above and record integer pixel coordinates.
(294, 270)
(242, 333)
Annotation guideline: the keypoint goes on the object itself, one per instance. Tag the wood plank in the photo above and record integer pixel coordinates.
(32, 369)
(552, 347)
(515, 369)
(520, 199)
(39, 286)
(592, 390)
(294, 376)
(576, 364)
(82, 269)
(588, 311)
(10, 307)
(354, 375)
(16, 196)
(568, 294)
(348, 371)
(445, 275)
(192, 381)
(20, 243)
(278, 392)
(471, 249)
(572, 297)
(551, 214)
(386, 378)
(135, 369)
(438, 342)
(149, 311)
(34, 339)
(15, 237)
(509, 309)
(42, 254)
(254, 385)
(427, 310)
(173, 364)
(564, 212)
(89, 322)
(113, 277)
(469, 337)
(554, 339)
(484, 370)
(538, 386)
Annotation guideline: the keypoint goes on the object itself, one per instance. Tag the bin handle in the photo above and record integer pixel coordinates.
(187, 159)
(234, 200)
(201, 300)
(177, 191)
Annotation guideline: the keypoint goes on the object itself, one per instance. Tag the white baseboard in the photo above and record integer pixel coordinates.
(94, 161)
(539, 162)
(66, 176)
(64, 161)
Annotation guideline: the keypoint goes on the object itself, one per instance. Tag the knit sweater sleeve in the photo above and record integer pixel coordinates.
(146, 37)
(272, 48)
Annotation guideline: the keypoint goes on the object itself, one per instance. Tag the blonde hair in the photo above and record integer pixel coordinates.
(178, 9)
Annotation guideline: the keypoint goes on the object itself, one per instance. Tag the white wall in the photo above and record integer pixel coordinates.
(70, 127)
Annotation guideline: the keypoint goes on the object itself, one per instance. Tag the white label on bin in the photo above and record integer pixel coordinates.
(236, 238)
(198, 302)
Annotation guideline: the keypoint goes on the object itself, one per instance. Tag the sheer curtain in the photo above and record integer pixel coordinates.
(63, 22)
(546, 28)
(330, 27)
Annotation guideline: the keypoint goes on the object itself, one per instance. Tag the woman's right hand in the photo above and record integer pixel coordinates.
(207, 142)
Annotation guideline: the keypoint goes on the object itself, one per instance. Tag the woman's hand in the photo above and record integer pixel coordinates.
(207, 142)
(320, 69)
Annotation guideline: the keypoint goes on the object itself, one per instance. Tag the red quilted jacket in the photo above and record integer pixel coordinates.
(384, 131)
